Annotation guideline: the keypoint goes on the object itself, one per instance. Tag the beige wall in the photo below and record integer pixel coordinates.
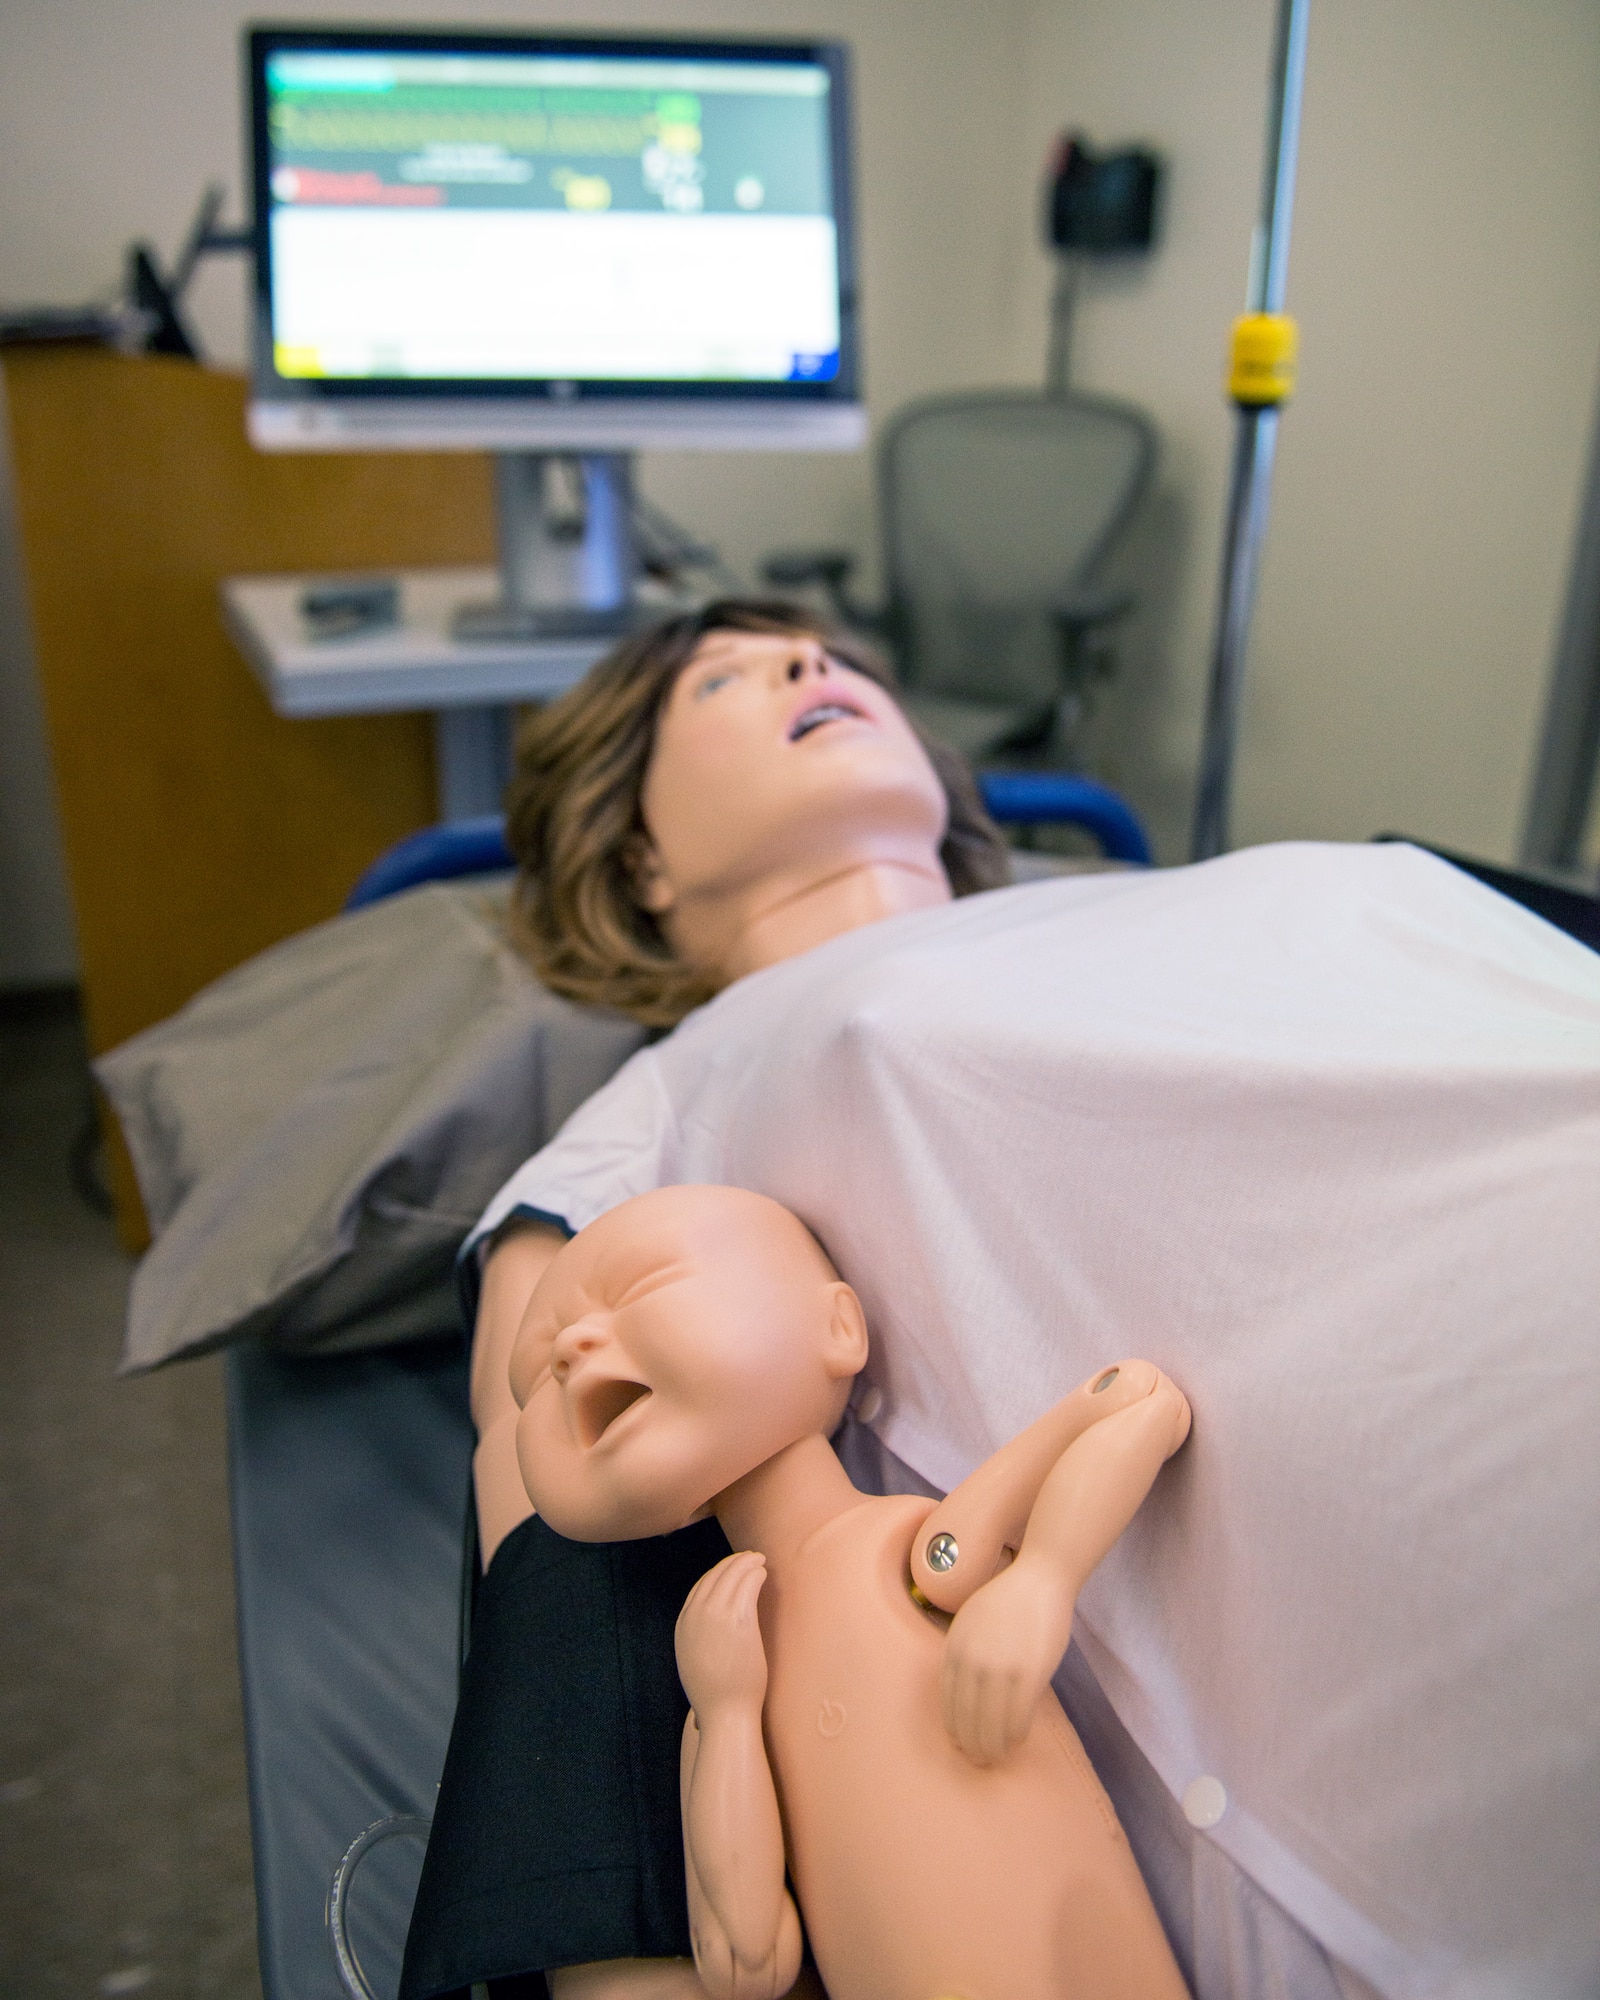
(1429, 468)
(1446, 275)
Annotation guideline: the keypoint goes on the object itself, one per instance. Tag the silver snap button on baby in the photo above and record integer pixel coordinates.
(869, 1404)
(1205, 1802)
(942, 1552)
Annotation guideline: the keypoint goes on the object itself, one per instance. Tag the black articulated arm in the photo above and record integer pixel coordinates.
(827, 569)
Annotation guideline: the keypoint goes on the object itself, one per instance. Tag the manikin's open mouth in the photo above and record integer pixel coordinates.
(824, 711)
(599, 1404)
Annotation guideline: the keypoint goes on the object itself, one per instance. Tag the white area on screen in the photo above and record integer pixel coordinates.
(514, 293)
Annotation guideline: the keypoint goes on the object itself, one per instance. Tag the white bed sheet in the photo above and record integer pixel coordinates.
(1318, 1130)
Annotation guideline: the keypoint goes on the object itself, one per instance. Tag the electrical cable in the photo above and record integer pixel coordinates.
(351, 1976)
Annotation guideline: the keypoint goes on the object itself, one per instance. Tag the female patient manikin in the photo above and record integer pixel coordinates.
(945, 1835)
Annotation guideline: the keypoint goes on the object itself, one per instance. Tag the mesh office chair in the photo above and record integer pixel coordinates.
(999, 511)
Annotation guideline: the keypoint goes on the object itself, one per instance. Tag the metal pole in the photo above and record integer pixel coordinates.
(1250, 491)
(1569, 750)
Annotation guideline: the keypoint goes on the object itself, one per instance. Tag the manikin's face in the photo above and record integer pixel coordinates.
(775, 764)
(671, 1347)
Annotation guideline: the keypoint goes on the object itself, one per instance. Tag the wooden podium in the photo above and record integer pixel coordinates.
(198, 826)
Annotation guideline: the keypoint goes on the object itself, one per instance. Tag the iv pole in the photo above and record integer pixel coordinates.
(1260, 382)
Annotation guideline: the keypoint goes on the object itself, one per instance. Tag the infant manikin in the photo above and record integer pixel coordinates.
(871, 1716)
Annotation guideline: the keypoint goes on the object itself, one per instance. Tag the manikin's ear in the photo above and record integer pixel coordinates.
(845, 1353)
(652, 886)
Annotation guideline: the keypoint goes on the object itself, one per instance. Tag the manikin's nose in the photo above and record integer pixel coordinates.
(812, 664)
(582, 1337)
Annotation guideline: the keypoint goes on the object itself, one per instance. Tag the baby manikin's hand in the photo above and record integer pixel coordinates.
(1000, 1652)
(721, 1660)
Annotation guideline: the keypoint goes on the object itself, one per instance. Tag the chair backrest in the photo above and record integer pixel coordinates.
(995, 506)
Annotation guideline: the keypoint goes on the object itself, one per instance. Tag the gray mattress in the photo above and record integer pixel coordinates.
(349, 1478)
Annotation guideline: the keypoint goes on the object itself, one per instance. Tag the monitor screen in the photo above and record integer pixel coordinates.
(555, 223)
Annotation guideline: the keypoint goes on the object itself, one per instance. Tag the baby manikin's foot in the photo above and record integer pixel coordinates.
(627, 1979)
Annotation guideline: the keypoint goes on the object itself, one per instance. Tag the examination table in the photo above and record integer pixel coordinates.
(349, 1475)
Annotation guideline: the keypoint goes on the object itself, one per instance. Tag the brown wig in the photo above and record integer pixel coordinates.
(575, 824)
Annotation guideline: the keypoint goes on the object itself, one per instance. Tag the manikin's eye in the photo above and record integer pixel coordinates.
(714, 681)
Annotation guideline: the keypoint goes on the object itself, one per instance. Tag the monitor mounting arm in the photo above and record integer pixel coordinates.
(159, 296)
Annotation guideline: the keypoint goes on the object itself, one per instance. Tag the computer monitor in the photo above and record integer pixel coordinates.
(551, 242)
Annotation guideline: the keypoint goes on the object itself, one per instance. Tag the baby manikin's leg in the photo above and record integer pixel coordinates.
(627, 1979)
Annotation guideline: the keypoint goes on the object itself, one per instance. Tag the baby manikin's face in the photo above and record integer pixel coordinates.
(665, 1353)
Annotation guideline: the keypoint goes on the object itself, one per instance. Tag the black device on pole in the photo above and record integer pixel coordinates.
(1261, 376)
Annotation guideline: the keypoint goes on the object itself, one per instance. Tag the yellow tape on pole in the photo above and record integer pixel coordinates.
(1261, 369)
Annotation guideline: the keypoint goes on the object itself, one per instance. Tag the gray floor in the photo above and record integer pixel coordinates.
(124, 1838)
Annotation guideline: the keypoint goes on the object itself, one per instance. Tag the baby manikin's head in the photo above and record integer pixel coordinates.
(671, 1347)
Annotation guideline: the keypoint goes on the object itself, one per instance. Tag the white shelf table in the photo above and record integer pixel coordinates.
(471, 686)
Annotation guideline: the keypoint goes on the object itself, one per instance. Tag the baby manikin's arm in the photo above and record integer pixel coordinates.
(742, 1919)
(514, 1267)
(1056, 1499)
(988, 1514)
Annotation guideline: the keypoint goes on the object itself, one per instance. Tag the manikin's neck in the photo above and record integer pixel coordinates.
(775, 1507)
(740, 931)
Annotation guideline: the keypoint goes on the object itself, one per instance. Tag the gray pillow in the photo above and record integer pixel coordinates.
(315, 1134)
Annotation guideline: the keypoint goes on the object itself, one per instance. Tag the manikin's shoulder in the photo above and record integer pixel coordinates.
(874, 1522)
(860, 1558)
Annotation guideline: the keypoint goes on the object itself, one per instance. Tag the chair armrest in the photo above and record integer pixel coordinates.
(1086, 609)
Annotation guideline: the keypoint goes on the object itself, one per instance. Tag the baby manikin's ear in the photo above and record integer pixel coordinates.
(847, 1334)
(652, 886)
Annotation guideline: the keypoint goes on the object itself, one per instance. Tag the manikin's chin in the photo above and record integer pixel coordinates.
(610, 1518)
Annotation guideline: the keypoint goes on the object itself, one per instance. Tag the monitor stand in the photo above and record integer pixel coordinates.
(567, 556)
